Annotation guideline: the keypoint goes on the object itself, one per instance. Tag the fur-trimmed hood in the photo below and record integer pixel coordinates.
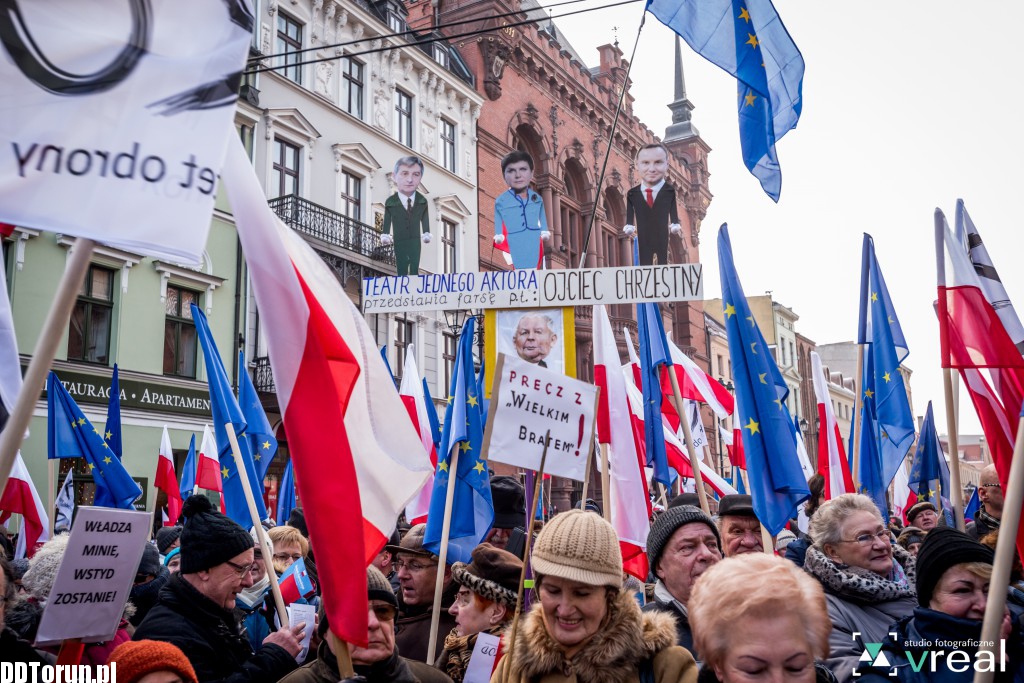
(612, 655)
(862, 585)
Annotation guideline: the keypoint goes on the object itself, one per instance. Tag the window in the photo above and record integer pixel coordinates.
(396, 23)
(721, 366)
(351, 195)
(441, 55)
(285, 179)
(353, 77)
(179, 332)
(289, 42)
(403, 117)
(451, 345)
(245, 133)
(448, 229)
(448, 145)
(403, 338)
(89, 332)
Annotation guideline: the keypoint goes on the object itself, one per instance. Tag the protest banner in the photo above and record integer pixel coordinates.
(95, 576)
(529, 401)
(533, 288)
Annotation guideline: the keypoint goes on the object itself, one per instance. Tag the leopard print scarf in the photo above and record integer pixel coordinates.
(862, 584)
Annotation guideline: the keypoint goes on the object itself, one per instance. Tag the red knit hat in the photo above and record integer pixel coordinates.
(135, 659)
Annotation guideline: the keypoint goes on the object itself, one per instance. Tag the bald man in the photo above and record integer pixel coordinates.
(988, 516)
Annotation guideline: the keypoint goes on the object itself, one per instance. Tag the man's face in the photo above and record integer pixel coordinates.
(224, 582)
(990, 493)
(534, 338)
(690, 550)
(518, 176)
(499, 538)
(925, 520)
(652, 165)
(417, 576)
(741, 535)
(408, 178)
(383, 562)
(381, 635)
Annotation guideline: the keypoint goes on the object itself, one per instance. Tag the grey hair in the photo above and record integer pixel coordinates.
(547, 318)
(827, 523)
(409, 161)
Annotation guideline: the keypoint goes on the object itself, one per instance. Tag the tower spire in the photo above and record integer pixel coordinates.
(681, 127)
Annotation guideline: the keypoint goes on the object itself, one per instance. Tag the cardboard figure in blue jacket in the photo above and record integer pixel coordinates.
(407, 213)
(651, 206)
(519, 219)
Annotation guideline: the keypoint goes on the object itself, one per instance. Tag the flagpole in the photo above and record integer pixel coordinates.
(526, 556)
(684, 419)
(1006, 551)
(858, 408)
(266, 548)
(50, 476)
(446, 527)
(50, 337)
(586, 477)
(606, 494)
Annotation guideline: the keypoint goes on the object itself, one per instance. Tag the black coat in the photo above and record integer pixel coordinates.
(652, 222)
(211, 637)
(684, 635)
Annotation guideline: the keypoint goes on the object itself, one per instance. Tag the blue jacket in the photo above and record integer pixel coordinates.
(522, 221)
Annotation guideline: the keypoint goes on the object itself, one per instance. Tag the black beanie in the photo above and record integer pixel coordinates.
(945, 547)
(208, 537)
(667, 523)
(150, 562)
(166, 537)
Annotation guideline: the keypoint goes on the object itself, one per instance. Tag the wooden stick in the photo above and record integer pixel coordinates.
(268, 551)
(341, 653)
(767, 544)
(1006, 550)
(526, 555)
(46, 349)
(858, 404)
(606, 494)
(52, 510)
(586, 478)
(684, 420)
(446, 527)
(956, 496)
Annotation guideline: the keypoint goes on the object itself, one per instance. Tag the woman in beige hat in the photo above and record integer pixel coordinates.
(584, 628)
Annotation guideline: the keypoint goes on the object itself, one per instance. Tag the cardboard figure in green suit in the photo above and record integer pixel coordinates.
(406, 211)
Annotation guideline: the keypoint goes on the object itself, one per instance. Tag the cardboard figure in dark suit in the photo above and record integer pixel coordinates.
(407, 213)
(651, 206)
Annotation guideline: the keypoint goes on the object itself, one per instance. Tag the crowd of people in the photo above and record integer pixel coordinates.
(850, 597)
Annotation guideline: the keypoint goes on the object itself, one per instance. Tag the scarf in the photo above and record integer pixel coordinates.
(253, 596)
(988, 520)
(862, 584)
(460, 649)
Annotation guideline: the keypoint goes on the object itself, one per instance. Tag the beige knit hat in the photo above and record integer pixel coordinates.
(579, 546)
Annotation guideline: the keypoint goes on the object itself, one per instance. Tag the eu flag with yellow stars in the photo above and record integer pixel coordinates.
(225, 411)
(887, 417)
(112, 435)
(472, 513)
(777, 483)
(929, 473)
(747, 39)
(71, 435)
(262, 442)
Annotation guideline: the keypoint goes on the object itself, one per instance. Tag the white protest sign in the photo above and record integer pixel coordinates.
(95, 575)
(299, 614)
(481, 662)
(115, 117)
(533, 288)
(529, 400)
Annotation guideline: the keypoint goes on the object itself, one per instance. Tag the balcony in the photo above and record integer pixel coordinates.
(262, 376)
(331, 227)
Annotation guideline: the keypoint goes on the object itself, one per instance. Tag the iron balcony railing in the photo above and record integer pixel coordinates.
(331, 227)
(262, 376)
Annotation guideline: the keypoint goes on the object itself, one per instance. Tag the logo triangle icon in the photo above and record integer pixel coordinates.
(873, 649)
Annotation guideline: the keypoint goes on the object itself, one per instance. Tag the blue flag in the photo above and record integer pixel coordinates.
(973, 505)
(929, 473)
(747, 39)
(653, 354)
(435, 423)
(286, 495)
(71, 435)
(472, 512)
(262, 442)
(869, 473)
(480, 391)
(777, 483)
(112, 435)
(226, 410)
(188, 470)
(884, 394)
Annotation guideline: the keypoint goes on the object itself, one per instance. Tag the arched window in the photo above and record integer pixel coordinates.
(572, 219)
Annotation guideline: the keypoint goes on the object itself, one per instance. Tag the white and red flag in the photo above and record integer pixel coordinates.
(415, 402)
(832, 462)
(20, 497)
(166, 480)
(356, 466)
(208, 473)
(902, 496)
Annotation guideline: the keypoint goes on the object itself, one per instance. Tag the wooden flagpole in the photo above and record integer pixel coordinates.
(1006, 551)
(446, 527)
(46, 349)
(858, 405)
(50, 477)
(684, 420)
(586, 477)
(956, 495)
(606, 494)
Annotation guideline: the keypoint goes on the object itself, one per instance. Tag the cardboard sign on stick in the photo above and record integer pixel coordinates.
(95, 576)
(529, 400)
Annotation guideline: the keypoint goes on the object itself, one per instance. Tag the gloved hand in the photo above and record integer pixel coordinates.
(427, 237)
(499, 239)
(545, 235)
(675, 229)
(629, 230)
(387, 240)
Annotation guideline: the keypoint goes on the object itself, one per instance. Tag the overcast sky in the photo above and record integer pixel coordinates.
(907, 106)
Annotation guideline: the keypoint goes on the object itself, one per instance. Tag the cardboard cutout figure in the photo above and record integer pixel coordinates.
(406, 211)
(519, 219)
(651, 206)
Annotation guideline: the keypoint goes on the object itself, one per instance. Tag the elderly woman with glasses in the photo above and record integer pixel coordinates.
(868, 581)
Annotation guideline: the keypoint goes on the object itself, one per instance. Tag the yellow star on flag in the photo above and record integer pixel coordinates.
(868, 393)
(744, 15)
(450, 399)
(442, 466)
(886, 377)
(750, 98)
(931, 493)
(81, 421)
(472, 400)
(761, 377)
(108, 435)
(729, 310)
(752, 40)
(754, 427)
(74, 424)
(91, 467)
(751, 319)
(874, 296)
(753, 348)
(464, 446)
(266, 445)
(256, 456)
(224, 472)
(891, 321)
(479, 467)
(779, 402)
(106, 460)
(96, 431)
(105, 445)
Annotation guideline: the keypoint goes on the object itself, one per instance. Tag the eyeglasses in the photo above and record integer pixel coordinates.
(384, 612)
(412, 566)
(868, 539)
(990, 486)
(241, 569)
(284, 557)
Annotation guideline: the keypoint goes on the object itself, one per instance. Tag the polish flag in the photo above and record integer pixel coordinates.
(415, 402)
(733, 441)
(166, 481)
(634, 361)
(697, 385)
(832, 461)
(356, 466)
(20, 496)
(902, 497)
(630, 500)
(208, 473)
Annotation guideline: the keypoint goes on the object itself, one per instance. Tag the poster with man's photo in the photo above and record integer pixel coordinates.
(543, 336)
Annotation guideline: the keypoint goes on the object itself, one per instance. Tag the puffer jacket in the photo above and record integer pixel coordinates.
(627, 641)
(858, 600)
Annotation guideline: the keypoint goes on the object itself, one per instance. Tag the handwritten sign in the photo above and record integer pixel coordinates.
(95, 576)
(526, 402)
(533, 288)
